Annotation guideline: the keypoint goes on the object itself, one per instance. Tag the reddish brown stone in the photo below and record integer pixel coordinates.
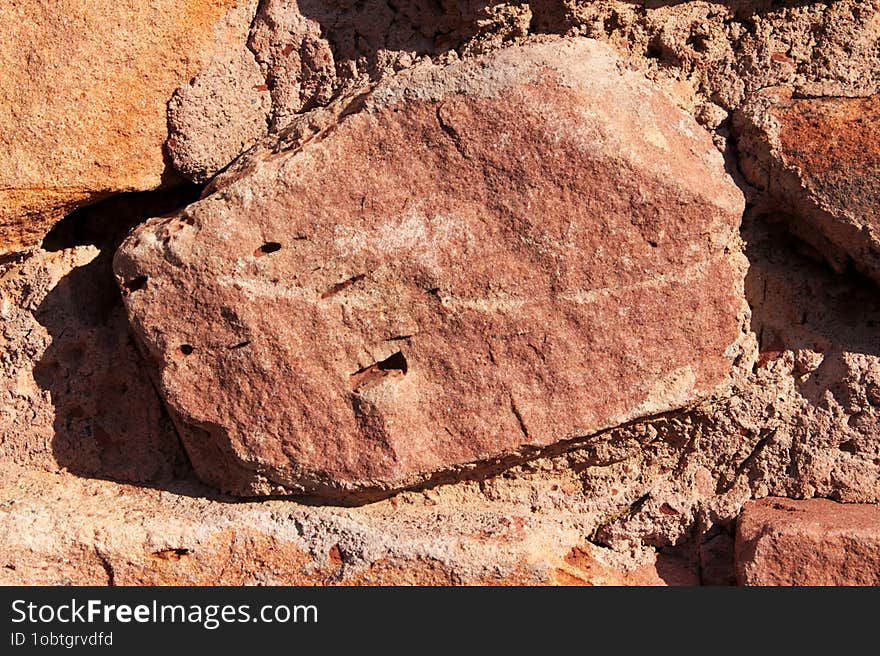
(819, 161)
(812, 542)
(478, 262)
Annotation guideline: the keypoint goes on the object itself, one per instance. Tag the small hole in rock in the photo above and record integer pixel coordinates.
(268, 247)
(654, 51)
(394, 362)
(171, 554)
(186, 349)
(849, 446)
(134, 285)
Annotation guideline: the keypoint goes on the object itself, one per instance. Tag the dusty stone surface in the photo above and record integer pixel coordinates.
(818, 162)
(652, 501)
(83, 93)
(310, 50)
(74, 393)
(124, 535)
(221, 113)
(812, 542)
(676, 482)
(802, 423)
(725, 51)
(713, 56)
(453, 307)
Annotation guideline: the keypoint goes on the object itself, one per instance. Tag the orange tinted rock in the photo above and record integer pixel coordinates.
(812, 542)
(581, 567)
(479, 261)
(819, 161)
(83, 94)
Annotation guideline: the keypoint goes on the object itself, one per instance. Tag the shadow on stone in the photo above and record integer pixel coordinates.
(109, 420)
(798, 303)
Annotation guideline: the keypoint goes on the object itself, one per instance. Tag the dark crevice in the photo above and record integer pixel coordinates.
(267, 248)
(394, 364)
(106, 223)
(766, 438)
(133, 285)
(171, 554)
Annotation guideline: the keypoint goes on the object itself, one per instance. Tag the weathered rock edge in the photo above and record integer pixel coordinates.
(416, 301)
(816, 162)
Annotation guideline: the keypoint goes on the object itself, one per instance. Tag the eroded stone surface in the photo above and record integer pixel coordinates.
(112, 534)
(487, 259)
(812, 542)
(83, 94)
(818, 161)
(310, 49)
(712, 56)
(222, 112)
(74, 393)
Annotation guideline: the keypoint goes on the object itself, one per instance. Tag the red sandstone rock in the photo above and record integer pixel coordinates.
(478, 262)
(819, 161)
(812, 542)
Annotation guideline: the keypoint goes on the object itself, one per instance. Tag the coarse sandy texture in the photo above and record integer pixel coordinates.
(84, 87)
(124, 535)
(209, 129)
(86, 444)
(803, 424)
(713, 55)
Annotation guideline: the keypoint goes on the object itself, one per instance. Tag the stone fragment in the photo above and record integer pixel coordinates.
(220, 114)
(811, 542)
(818, 163)
(310, 50)
(478, 262)
(83, 94)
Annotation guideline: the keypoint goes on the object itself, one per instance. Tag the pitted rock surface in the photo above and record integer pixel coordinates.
(478, 262)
